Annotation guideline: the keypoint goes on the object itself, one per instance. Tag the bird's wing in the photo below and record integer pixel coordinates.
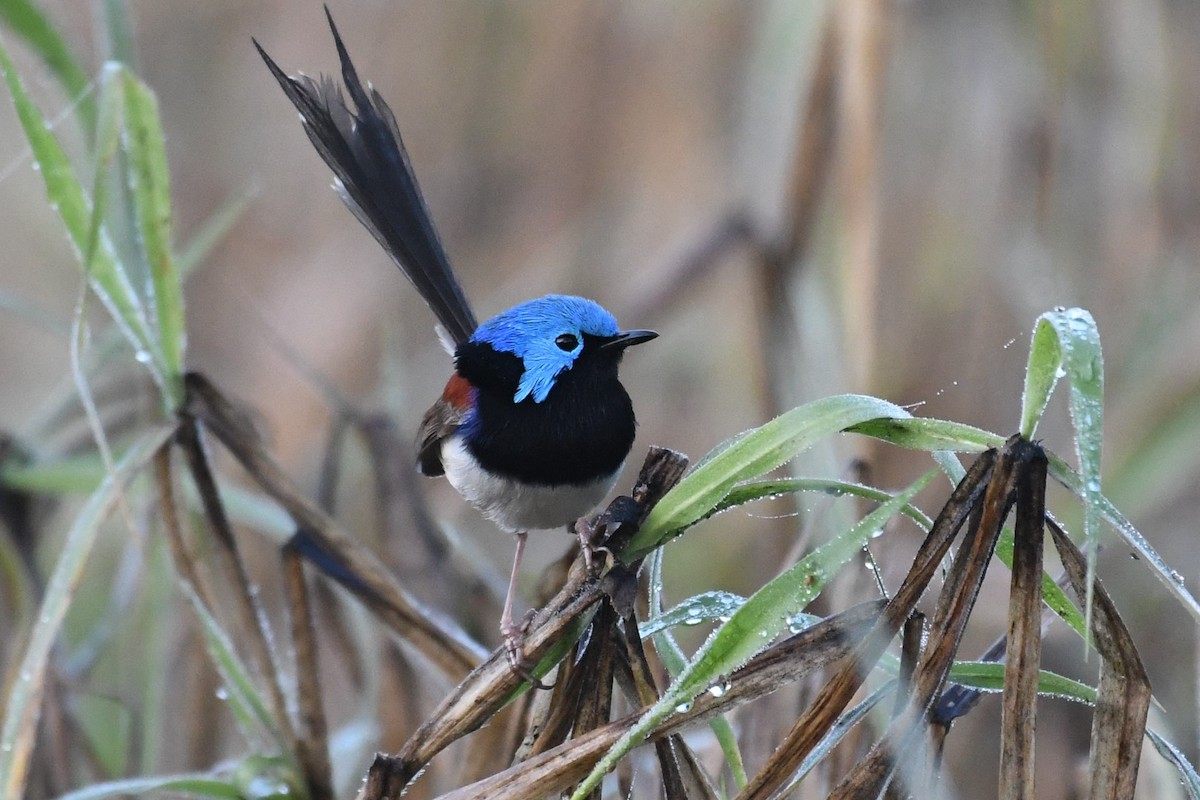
(376, 181)
(441, 420)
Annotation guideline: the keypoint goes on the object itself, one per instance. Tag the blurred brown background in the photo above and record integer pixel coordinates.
(989, 161)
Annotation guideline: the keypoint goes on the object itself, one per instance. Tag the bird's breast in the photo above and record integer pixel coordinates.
(580, 434)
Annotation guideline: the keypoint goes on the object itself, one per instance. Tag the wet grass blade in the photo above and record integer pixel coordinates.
(1170, 578)
(751, 455)
(988, 676)
(249, 707)
(1066, 342)
(921, 433)
(150, 185)
(704, 607)
(758, 490)
(107, 275)
(1175, 757)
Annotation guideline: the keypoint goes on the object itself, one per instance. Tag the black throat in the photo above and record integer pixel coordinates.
(580, 433)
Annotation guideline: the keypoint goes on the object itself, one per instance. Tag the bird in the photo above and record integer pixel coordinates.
(534, 425)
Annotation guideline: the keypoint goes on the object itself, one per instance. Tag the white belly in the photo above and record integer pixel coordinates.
(518, 506)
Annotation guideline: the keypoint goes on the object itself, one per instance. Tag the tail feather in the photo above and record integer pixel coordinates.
(375, 179)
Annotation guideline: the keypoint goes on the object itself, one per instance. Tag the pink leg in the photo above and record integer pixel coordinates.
(514, 632)
(508, 629)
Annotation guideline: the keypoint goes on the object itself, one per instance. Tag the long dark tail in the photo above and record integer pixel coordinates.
(375, 179)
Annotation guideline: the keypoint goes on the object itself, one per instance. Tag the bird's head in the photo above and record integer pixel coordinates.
(549, 336)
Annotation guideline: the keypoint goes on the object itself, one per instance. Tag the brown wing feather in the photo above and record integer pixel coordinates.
(441, 420)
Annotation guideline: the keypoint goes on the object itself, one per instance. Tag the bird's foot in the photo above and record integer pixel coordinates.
(513, 634)
(589, 538)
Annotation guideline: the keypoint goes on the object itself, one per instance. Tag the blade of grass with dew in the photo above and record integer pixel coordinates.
(1042, 373)
(246, 702)
(1175, 757)
(36, 29)
(759, 490)
(1078, 355)
(150, 183)
(704, 607)
(191, 784)
(718, 605)
(1170, 578)
(988, 676)
(754, 626)
(21, 713)
(923, 433)
(107, 275)
(758, 451)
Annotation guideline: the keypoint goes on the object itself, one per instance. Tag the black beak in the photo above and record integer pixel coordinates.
(628, 338)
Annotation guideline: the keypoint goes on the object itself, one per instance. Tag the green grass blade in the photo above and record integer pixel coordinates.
(696, 610)
(249, 708)
(108, 277)
(1082, 361)
(21, 713)
(754, 626)
(150, 184)
(988, 676)
(1042, 372)
(1175, 757)
(1169, 577)
(919, 433)
(28, 22)
(758, 451)
(758, 490)
(708, 606)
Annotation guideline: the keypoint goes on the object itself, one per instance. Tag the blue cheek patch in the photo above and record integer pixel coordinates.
(541, 371)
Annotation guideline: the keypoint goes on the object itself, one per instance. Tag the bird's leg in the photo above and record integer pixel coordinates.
(508, 629)
(511, 631)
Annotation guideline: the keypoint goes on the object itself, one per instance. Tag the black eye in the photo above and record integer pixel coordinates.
(567, 342)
